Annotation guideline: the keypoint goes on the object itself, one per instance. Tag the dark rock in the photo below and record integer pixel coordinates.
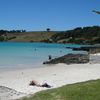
(70, 59)
(91, 49)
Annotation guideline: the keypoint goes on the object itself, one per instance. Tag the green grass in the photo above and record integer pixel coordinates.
(89, 90)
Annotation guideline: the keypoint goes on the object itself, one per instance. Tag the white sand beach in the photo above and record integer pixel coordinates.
(56, 76)
(15, 84)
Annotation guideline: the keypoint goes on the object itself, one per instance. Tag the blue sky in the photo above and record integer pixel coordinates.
(37, 15)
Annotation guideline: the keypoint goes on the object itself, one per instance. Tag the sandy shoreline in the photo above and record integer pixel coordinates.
(17, 81)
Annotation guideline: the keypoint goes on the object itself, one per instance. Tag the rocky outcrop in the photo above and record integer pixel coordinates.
(91, 49)
(70, 59)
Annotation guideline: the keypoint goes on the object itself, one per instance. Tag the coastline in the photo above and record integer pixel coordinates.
(55, 75)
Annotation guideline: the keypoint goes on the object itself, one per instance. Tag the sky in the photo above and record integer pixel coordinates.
(38, 15)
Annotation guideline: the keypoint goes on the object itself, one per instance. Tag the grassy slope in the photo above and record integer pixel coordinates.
(80, 91)
(30, 36)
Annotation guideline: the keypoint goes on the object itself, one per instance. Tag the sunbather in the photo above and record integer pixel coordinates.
(35, 83)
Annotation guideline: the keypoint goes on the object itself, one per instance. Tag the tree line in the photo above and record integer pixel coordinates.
(81, 35)
(3, 32)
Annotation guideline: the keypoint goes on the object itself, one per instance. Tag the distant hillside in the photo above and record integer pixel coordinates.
(37, 36)
(85, 35)
(79, 35)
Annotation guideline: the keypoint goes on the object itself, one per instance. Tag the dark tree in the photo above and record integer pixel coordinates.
(98, 12)
(48, 29)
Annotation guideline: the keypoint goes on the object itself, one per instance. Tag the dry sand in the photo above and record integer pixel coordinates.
(15, 84)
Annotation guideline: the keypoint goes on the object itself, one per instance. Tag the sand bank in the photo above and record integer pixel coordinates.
(56, 75)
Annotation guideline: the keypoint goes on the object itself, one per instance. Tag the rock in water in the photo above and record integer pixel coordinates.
(70, 59)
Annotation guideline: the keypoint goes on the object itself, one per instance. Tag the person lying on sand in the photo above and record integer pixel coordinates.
(35, 83)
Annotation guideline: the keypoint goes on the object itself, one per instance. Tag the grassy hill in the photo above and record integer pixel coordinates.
(89, 90)
(79, 35)
(37, 36)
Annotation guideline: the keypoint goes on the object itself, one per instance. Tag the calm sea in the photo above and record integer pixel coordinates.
(25, 55)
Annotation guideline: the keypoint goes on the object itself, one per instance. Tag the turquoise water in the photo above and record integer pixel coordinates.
(24, 55)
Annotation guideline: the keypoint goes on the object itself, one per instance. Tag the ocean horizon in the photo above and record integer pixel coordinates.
(30, 55)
